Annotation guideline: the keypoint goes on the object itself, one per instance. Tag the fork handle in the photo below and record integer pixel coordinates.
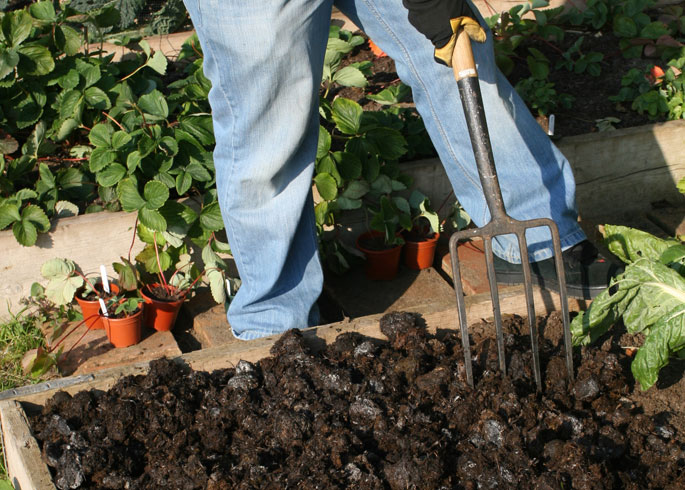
(466, 75)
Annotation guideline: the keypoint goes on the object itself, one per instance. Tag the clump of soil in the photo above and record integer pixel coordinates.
(168, 294)
(368, 414)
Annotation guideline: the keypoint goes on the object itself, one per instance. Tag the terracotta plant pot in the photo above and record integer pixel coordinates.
(91, 309)
(381, 264)
(420, 254)
(160, 315)
(123, 332)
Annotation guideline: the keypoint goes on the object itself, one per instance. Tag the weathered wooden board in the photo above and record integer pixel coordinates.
(627, 169)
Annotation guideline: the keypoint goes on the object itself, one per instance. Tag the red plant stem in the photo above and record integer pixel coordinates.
(113, 120)
(88, 282)
(133, 240)
(159, 264)
(52, 348)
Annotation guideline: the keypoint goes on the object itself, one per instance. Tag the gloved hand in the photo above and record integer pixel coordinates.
(440, 20)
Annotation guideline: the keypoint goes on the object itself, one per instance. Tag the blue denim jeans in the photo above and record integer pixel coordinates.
(264, 60)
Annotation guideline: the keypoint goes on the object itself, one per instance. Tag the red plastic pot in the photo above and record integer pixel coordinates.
(381, 265)
(420, 254)
(160, 315)
(124, 332)
(91, 309)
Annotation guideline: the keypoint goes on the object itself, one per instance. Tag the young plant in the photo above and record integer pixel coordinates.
(391, 217)
(649, 297)
(425, 221)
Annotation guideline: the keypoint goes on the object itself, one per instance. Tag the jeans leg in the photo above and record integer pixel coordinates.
(264, 60)
(536, 179)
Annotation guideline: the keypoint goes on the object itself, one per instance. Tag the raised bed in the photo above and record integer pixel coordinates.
(660, 418)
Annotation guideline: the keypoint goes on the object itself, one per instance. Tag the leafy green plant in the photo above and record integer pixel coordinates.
(573, 59)
(391, 217)
(340, 43)
(541, 95)
(649, 297)
(422, 214)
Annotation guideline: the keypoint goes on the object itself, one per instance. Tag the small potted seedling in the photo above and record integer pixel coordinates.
(382, 244)
(422, 239)
(122, 318)
(66, 282)
(164, 297)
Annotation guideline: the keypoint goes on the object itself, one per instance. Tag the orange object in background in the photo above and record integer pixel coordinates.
(376, 50)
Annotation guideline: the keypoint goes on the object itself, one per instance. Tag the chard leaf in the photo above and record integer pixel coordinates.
(667, 337)
(629, 244)
(647, 290)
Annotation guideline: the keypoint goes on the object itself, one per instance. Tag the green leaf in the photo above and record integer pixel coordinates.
(128, 275)
(25, 233)
(155, 194)
(356, 190)
(37, 60)
(645, 291)
(9, 213)
(198, 172)
(101, 157)
(111, 175)
(347, 115)
(183, 182)
(391, 95)
(666, 338)
(63, 282)
(154, 106)
(101, 135)
(130, 198)
(43, 11)
(624, 26)
(346, 203)
(350, 76)
(217, 285)
(390, 142)
(16, 27)
(152, 219)
(210, 217)
(654, 30)
(9, 58)
(66, 128)
(120, 139)
(96, 98)
(326, 185)
(8, 145)
(348, 164)
(133, 160)
(158, 62)
(68, 39)
(630, 244)
(34, 214)
(324, 144)
(65, 209)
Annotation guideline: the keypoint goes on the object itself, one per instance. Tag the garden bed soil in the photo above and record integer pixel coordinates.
(591, 94)
(365, 413)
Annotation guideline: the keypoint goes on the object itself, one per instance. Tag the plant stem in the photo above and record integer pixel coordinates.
(160, 273)
(114, 121)
(133, 240)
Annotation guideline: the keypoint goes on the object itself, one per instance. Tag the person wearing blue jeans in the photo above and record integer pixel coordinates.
(265, 59)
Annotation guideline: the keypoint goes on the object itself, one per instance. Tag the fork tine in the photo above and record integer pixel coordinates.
(563, 299)
(530, 306)
(461, 309)
(494, 295)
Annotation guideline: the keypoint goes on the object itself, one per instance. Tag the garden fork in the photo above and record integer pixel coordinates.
(500, 223)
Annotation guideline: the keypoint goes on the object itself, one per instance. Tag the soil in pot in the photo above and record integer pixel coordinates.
(161, 306)
(382, 260)
(90, 306)
(371, 414)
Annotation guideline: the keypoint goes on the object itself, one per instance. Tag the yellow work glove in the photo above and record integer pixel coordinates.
(471, 27)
